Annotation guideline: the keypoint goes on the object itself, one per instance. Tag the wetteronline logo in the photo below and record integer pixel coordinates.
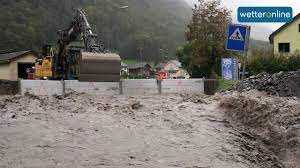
(265, 14)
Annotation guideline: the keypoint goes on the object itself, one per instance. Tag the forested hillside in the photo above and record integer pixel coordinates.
(146, 26)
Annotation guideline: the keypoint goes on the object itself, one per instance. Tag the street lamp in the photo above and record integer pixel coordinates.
(115, 6)
(123, 7)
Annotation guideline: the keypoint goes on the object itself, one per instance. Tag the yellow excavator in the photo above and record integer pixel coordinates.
(43, 66)
(87, 63)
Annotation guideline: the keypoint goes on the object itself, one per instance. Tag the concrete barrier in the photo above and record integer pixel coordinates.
(183, 86)
(92, 88)
(126, 87)
(139, 86)
(9, 87)
(41, 87)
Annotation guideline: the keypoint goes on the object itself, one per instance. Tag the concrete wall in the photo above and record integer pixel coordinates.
(140, 86)
(40, 87)
(93, 88)
(129, 87)
(9, 87)
(183, 86)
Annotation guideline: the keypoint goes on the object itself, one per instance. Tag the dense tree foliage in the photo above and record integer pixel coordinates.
(185, 56)
(144, 28)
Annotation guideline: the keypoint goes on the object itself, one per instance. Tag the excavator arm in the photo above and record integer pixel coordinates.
(94, 64)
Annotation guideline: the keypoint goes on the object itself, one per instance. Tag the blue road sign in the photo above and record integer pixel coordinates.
(237, 38)
(229, 68)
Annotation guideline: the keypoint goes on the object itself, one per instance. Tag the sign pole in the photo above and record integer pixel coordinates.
(238, 40)
(245, 59)
(244, 65)
(241, 85)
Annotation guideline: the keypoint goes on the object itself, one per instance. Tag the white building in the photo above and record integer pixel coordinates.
(175, 70)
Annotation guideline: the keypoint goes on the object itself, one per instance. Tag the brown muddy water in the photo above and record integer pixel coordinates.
(167, 131)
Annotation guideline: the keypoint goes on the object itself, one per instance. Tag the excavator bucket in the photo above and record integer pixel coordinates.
(99, 67)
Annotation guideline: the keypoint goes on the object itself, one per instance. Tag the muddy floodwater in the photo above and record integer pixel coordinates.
(167, 131)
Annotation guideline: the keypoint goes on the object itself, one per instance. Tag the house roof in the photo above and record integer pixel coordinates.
(160, 65)
(139, 65)
(175, 62)
(271, 37)
(9, 56)
(182, 73)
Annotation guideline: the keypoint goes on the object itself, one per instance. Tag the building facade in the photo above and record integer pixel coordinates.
(140, 69)
(14, 66)
(174, 70)
(286, 39)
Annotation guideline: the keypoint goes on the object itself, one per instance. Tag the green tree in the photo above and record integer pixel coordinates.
(184, 55)
(206, 36)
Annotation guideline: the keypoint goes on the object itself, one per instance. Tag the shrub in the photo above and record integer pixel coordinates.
(273, 63)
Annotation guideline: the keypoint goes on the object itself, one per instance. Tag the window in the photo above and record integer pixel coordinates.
(284, 47)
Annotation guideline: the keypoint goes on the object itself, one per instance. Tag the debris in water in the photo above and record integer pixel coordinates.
(136, 106)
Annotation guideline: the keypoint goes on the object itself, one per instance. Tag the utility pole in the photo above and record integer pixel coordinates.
(161, 54)
(141, 61)
(246, 54)
(240, 89)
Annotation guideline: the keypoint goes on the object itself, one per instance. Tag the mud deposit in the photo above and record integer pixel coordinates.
(270, 125)
(190, 131)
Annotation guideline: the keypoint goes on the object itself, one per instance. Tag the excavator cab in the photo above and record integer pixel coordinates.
(43, 66)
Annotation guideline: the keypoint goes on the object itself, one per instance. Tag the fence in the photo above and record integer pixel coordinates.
(126, 87)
